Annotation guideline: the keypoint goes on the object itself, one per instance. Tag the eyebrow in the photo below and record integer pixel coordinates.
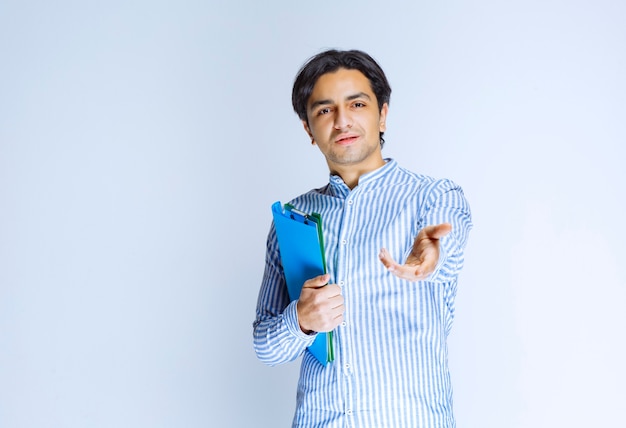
(348, 98)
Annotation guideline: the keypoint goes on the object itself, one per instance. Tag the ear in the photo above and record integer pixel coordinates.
(383, 117)
(308, 131)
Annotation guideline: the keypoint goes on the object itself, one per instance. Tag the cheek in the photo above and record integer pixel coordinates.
(320, 127)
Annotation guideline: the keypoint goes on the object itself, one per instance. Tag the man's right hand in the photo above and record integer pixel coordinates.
(320, 306)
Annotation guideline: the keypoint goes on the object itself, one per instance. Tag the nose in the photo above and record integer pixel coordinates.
(343, 119)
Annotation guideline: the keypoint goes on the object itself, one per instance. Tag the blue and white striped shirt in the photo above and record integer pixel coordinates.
(391, 362)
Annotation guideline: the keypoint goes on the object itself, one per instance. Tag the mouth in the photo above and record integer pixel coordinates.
(346, 139)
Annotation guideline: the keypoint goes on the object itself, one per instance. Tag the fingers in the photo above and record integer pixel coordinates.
(424, 255)
(387, 260)
(410, 272)
(412, 265)
(320, 314)
(320, 306)
(317, 282)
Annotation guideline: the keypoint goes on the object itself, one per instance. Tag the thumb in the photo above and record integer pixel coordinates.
(437, 231)
(318, 281)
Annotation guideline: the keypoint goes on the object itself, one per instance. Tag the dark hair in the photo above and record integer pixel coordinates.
(330, 61)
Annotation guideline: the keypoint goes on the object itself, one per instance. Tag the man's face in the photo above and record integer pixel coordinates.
(344, 121)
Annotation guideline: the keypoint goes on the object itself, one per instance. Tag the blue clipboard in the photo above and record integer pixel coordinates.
(301, 246)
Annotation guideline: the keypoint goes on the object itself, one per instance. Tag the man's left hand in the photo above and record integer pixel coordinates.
(424, 256)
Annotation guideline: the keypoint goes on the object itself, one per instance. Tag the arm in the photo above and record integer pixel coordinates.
(437, 251)
(283, 329)
(277, 334)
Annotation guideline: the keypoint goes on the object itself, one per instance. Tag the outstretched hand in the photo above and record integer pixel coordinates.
(424, 256)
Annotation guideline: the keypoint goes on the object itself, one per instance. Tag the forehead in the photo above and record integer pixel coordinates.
(339, 85)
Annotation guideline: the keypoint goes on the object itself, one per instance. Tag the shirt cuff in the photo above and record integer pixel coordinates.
(445, 249)
(290, 316)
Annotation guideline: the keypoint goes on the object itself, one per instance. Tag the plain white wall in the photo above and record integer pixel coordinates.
(142, 144)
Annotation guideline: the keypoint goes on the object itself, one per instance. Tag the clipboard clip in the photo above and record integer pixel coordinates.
(296, 214)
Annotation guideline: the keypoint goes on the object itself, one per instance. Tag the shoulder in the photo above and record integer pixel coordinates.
(312, 196)
(427, 191)
(425, 183)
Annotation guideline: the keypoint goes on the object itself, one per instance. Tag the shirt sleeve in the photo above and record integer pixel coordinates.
(446, 203)
(277, 335)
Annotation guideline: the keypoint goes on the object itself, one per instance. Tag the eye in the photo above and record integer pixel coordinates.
(323, 111)
(358, 104)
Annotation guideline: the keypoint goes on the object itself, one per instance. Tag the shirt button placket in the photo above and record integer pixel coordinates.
(347, 371)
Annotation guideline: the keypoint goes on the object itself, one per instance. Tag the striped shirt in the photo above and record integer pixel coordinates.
(391, 362)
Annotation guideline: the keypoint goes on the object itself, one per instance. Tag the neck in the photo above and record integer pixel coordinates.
(351, 174)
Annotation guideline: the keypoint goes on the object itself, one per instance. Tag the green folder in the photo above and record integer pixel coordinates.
(301, 244)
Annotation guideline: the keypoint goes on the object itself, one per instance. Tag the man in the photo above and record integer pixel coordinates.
(390, 320)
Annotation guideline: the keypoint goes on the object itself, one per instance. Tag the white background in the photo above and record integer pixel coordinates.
(143, 142)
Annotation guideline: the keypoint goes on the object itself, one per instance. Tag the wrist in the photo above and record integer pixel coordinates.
(304, 330)
(291, 319)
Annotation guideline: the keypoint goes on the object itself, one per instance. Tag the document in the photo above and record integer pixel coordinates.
(301, 246)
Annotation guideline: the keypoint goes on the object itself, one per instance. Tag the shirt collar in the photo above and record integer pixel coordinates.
(340, 188)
